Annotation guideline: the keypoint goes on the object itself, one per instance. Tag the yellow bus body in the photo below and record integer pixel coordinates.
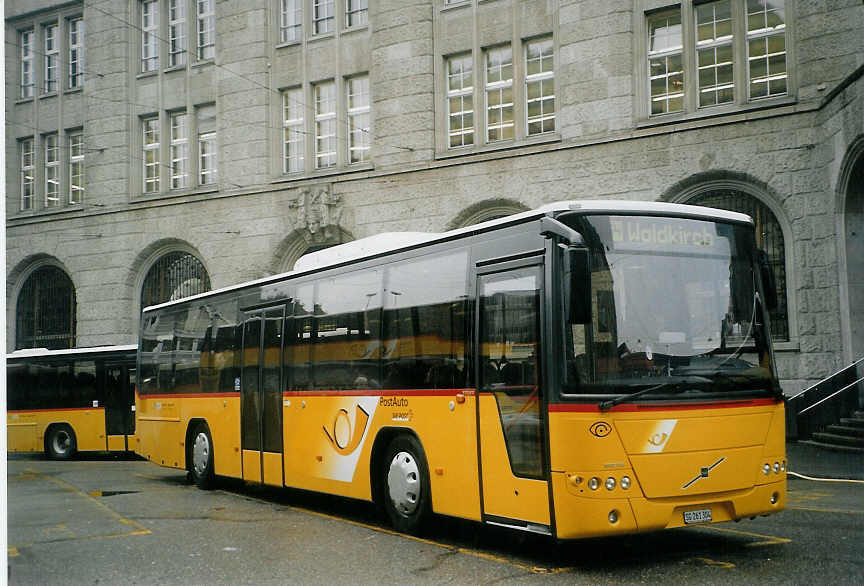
(26, 430)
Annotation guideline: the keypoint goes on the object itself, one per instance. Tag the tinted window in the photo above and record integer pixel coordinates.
(424, 323)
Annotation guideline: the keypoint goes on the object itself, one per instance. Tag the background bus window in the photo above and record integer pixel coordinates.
(424, 323)
(509, 356)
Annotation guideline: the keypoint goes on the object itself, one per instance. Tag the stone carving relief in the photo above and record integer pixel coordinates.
(317, 211)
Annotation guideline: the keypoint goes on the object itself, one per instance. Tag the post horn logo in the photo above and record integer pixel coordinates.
(600, 429)
(341, 436)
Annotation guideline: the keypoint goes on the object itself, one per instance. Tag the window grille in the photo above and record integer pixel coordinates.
(356, 12)
(52, 170)
(540, 86)
(176, 33)
(769, 237)
(291, 21)
(206, 30)
(76, 167)
(325, 125)
(460, 101)
(499, 94)
(26, 44)
(51, 54)
(76, 53)
(45, 313)
(149, 35)
(358, 119)
(174, 276)
(28, 170)
(293, 124)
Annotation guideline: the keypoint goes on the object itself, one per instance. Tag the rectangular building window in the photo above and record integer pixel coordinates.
(322, 16)
(460, 101)
(176, 33)
(52, 170)
(665, 65)
(52, 53)
(356, 12)
(76, 53)
(76, 167)
(325, 125)
(540, 86)
(28, 170)
(766, 48)
(150, 135)
(292, 121)
(206, 30)
(358, 119)
(179, 150)
(208, 172)
(499, 94)
(714, 52)
(291, 21)
(25, 42)
(149, 35)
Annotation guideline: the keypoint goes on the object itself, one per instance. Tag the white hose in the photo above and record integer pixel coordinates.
(795, 474)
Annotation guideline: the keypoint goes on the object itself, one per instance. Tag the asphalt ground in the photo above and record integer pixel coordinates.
(104, 520)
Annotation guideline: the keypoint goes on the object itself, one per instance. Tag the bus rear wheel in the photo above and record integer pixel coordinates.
(406, 484)
(60, 443)
(201, 457)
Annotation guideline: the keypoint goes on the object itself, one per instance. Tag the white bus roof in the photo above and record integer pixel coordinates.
(395, 241)
(34, 352)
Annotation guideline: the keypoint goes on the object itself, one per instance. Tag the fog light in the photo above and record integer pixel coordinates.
(776, 467)
(625, 482)
(774, 498)
(766, 468)
(613, 516)
(594, 483)
(610, 483)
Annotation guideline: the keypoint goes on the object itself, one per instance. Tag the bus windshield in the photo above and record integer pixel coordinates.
(675, 311)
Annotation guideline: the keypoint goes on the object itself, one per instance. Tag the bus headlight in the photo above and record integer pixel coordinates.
(610, 483)
(776, 467)
(594, 483)
(613, 516)
(625, 482)
(766, 468)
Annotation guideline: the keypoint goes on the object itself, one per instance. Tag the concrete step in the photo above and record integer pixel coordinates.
(858, 415)
(840, 440)
(832, 447)
(852, 422)
(846, 430)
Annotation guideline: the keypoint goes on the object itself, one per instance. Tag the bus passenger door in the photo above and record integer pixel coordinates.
(514, 472)
(261, 396)
(119, 399)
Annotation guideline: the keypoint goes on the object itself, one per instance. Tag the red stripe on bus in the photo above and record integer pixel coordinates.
(630, 408)
(380, 393)
(58, 409)
(189, 395)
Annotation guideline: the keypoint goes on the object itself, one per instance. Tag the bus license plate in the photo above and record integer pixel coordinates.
(699, 516)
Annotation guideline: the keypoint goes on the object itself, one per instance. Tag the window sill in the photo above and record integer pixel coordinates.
(322, 37)
(540, 139)
(312, 176)
(73, 90)
(42, 212)
(176, 68)
(204, 62)
(790, 346)
(203, 190)
(146, 74)
(355, 29)
(48, 95)
(717, 112)
(455, 5)
(288, 44)
(23, 101)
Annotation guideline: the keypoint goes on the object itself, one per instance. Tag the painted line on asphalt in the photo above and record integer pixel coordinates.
(715, 563)
(452, 548)
(767, 539)
(139, 529)
(826, 510)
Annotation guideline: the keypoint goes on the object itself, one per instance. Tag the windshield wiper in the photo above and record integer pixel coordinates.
(677, 387)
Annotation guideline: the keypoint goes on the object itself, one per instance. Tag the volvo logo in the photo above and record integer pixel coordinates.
(600, 429)
(703, 473)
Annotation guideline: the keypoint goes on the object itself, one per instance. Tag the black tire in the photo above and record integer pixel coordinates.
(200, 459)
(405, 492)
(60, 442)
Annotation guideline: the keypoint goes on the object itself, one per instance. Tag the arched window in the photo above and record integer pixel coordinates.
(174, 276)
(45, 312)
(769, 237)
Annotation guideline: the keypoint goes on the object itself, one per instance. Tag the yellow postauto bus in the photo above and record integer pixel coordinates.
(587, 368)
(65, 401)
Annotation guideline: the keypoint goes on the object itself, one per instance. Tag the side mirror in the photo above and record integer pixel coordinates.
(769, 283)
(578, 285)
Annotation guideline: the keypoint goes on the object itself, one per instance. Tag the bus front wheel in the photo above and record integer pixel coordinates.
(60, 443)
(406, 484)
(201, 457)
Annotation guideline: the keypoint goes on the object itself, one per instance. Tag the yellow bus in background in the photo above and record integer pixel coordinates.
(583, 369)
(65, 401)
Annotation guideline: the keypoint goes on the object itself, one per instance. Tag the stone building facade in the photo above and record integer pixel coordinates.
(156, 148)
